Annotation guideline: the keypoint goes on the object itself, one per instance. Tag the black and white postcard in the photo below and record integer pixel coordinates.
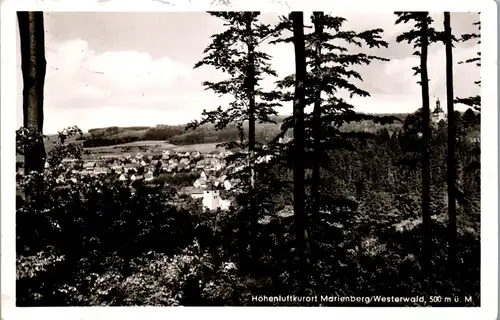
(340, 156)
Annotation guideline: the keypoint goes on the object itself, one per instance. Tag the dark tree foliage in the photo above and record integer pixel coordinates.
(421, 35)
(235, 52)
(331, 70)
(475, 101)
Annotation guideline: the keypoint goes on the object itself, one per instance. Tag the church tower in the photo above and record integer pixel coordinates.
(438, 113)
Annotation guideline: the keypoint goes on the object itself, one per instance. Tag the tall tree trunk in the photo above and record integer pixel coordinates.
(251, 136)
(426, 176)
(299, 145)
(316, 123)
(451, 155)
(33, 65)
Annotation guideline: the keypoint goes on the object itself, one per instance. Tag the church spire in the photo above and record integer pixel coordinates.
(438, 109)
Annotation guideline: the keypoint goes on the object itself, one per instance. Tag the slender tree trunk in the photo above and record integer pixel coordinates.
(426, 176)
(299, 144)
(33, 65)
(316, 124)
(451, 155)
(251, 136)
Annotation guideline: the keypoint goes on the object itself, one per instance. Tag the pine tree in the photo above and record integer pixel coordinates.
(33, 64)
(451, 155)
(421, 35)
(235, 52)
(475, 101)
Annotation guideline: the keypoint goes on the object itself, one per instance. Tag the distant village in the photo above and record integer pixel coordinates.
(148, 168)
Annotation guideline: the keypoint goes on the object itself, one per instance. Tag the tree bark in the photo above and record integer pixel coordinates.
(251, 135)
(303, 247)
(33, 65)
(426, 176)
(316, 123)
(451, 158)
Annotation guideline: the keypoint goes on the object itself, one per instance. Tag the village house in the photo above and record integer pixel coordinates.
(193, 192)
(213, 201)
(203, 175)
(195, 155)
(60, 178)
(196, 193)
(148, 176)
(172, 165)
(89, 166)
(84, 173)
(264, 159)
(100, 170)
(200, 183)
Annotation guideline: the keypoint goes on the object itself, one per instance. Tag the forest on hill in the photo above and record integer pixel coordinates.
(178, 135)
(354, 205)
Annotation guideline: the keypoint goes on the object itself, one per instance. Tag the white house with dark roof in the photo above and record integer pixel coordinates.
(200, 183)
(213, 201)
(148, 176)
(89, 165)
(195, 193)
(203, 175)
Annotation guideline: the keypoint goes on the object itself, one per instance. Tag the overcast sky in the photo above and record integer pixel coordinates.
(128, 69)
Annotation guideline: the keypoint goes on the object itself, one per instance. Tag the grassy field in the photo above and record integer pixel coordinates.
(132, 148)
(149, 147)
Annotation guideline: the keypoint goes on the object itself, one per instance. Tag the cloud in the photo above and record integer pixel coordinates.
(81, 71)
(79, 78)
